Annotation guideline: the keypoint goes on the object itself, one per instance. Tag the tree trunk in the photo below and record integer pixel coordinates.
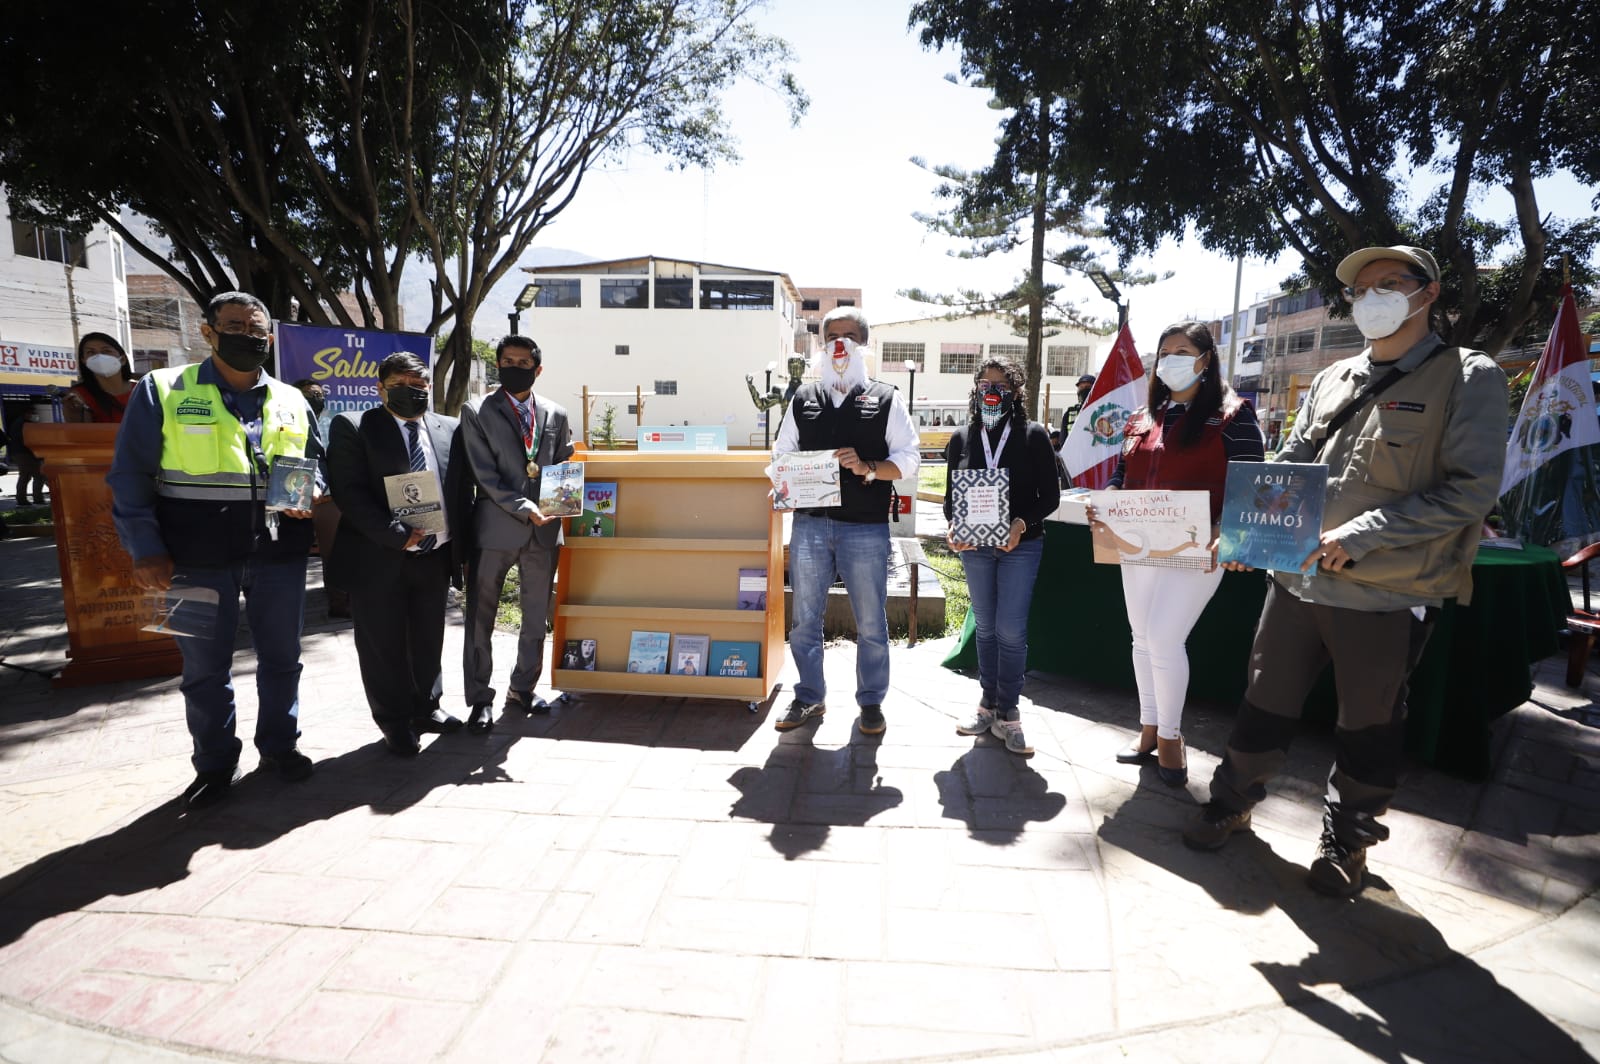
(1033, 370)
(453, 365)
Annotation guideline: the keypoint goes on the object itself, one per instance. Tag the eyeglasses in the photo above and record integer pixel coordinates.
(993, 388)
(239, 328)
(1383, 287)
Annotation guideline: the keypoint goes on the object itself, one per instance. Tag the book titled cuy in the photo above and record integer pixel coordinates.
(599, 517)
(647, 652)
(1272, 513)
(735, 659)
(561, 489)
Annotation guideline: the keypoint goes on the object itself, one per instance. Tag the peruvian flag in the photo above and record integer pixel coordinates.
(1091, 449)
(1558, 412)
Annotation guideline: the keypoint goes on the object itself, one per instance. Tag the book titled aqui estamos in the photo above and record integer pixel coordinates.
(735, 659)
(561, 489)
(647, 652)
(1272, 513)
(599, 517)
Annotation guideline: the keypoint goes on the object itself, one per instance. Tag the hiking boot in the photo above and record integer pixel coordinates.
(871, 721)
(1010, 733)
(798, 713)
(980, 722)
(1212, 825)
(1338, 869)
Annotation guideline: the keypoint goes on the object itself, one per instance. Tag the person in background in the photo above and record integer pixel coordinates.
(325, 513)
(105, 380)
(1061, 467)
(1192, 426)
(1085, 385)
(1000, 578)
(19, 413)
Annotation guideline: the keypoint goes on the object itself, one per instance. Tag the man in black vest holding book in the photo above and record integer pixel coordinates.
(1412, 431)
(866, 425)
(396, 570)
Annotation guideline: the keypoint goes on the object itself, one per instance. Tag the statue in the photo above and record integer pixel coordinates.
(797, 369)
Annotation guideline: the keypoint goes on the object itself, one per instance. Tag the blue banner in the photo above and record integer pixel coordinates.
(344, 361)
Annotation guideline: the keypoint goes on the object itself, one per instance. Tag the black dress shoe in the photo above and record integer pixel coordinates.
(481, 720)
(401, 739)
(437, 721)
(526, 701)
(209, 788)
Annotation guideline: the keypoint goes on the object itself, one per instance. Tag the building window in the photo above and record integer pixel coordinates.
(844, 303)
(146, 359)
(959, 358)
(1342, 336)
(630, 293)
(117, 265)
(1014, 352)
(666, 387)
(622, 349)
(674, 293)
(811, 304)
(153, 312)
(736, 295)
(559, 292)
(894, 354)
(1061, 360)
(1301, 341)
(52, 245)
(1261, 314)
(633, 408)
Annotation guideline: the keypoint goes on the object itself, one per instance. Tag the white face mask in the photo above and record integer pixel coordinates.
(1380, 314)
(103, 365)
(1177, 372)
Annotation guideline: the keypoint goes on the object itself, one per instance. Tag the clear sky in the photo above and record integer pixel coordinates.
(830, 201)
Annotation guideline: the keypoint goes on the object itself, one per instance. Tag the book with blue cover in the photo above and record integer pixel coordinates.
(980, 506)
(1272, 513)
(735, 659)
(647, 652)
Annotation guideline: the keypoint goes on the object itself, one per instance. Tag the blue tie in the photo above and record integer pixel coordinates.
(419, 464)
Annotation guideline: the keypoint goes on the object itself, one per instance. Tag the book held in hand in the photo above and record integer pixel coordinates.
(599, 517)
(1272, 513)
(1171, 529)
(735, 659)
(180, 610)
(980, 506)
(292, 484)
(647, 652)
(805, 479)
(561, 489)
(414, 500)
(689, 654)
(579, 654)
(752, 589)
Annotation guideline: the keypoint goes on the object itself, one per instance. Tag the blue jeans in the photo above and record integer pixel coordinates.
(1001, 587)
(819, 547)
(275, 603)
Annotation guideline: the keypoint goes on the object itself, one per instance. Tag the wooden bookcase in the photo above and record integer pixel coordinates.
(686, 524)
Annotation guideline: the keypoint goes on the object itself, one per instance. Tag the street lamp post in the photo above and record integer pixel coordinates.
(766, 415)
(523, 301)
(911, 386)
(1108, 288)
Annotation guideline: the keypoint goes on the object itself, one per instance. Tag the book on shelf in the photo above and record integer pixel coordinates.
(414, 500)
(1272, 513)
(735, 659)
(752, 589)
(599, 517)
(689, 654)
(980, 506)
(579, 654)
(647, 652)
(561, 489)
(1171, 529)
(292, 483)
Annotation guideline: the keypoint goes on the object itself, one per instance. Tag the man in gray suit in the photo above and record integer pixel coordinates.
(509, 434)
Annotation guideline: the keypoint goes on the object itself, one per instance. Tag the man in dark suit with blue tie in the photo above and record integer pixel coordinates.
(396, 569)
(508, 435)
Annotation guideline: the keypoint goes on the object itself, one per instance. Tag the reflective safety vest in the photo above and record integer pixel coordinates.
(205, 452)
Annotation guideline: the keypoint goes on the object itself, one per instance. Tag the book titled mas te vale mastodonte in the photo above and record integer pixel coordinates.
(1272, 513)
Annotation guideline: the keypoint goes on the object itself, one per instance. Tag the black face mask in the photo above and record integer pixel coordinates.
(406, 401)
(243, 352)
(319, 403)
(517, 379)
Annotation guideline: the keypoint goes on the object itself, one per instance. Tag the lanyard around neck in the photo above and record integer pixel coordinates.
(991, 457)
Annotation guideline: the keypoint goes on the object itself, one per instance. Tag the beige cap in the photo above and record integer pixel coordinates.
(1419, 258)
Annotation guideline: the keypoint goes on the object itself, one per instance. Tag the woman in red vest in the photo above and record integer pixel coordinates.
(1193, 425)
(104, 381)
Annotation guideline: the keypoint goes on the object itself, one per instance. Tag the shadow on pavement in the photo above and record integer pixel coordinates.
(1426, 1001)
(995, 793)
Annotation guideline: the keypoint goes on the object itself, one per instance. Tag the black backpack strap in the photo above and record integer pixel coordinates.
(1374, 388)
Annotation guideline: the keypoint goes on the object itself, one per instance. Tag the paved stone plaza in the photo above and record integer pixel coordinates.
(636, 879)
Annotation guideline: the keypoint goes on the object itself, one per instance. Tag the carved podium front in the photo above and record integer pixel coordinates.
(105, 642)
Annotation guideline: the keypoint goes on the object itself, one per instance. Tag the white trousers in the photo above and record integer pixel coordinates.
(1163, 605)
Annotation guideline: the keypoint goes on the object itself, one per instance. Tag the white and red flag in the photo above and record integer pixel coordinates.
(1093, 445)
(1558, 412)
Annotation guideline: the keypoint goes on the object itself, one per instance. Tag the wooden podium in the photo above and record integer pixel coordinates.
(103, 614)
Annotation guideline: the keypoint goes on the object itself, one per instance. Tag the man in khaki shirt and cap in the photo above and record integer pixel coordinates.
(1413, 434)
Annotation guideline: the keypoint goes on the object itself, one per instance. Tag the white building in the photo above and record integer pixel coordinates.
(947, 352)
(683, 333)
(54, 287)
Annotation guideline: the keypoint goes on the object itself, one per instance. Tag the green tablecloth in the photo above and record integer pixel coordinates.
(1475, 668)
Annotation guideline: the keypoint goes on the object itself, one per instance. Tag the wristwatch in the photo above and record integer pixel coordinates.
(872, 472)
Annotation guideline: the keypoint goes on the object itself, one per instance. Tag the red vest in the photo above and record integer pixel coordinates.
(1148, 463)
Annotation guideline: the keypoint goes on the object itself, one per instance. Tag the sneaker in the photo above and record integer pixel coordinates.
(1212, 826)
(1010, 733)
(979, 724)
(209, 788)
(291, 766)
(871, 720)
(798, 713)
(1338, 869)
